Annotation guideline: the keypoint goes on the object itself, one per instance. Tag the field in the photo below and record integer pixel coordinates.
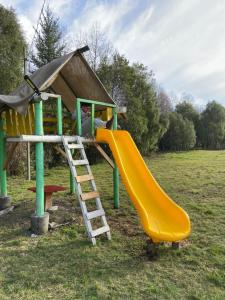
(64, 265)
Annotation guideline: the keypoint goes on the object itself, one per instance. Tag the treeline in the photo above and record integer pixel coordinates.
(151, 117)
(190, 129)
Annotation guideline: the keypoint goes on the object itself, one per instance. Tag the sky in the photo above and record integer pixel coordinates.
(182, 41)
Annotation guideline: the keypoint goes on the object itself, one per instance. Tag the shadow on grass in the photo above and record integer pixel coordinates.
(68, 263)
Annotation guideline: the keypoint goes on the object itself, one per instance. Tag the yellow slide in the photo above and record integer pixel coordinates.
(162, 219)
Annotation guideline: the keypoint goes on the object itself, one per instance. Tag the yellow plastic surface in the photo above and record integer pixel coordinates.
(161, 217)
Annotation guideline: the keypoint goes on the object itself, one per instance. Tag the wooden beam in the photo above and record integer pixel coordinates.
(6, 210)
(10, 155)
(83, 178)
(104, 155)
(59, 150)
(89, 195)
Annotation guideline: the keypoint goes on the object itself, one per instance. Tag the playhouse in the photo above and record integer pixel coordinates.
(68, 82)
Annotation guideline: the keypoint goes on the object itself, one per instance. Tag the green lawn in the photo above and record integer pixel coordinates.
(64, 265)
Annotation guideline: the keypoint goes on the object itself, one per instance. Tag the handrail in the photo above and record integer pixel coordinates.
(93, 104)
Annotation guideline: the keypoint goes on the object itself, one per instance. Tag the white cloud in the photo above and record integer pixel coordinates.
(183, 44)
(109, 14)
(27, 27)
(182, 41)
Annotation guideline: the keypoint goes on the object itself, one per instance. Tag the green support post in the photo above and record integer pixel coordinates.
(72, 184)
(78, 121)
(93, 119)
(95, 102)
(59, 116)
(78, 118)
(3, 177)
(39, 159)
(115, 170)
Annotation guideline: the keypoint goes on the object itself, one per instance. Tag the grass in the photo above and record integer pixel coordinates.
(63, 264)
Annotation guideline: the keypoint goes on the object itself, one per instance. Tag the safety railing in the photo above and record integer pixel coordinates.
(93, 104)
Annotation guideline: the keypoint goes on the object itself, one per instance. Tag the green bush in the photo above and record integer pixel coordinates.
(212, 126)
(180, 134)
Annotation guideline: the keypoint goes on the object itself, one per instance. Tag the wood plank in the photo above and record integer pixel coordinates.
(10, 155)
(9, 125)
(81, 162)
(28, 123)
(105, 155)
(15, 123)
(59, 150)
(6, 210)
(22, 129)
(50, 120)
(100, 231)
(84, 178)
(89, 195)
(32, 118)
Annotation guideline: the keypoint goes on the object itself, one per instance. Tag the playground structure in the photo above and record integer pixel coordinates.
(72, 82)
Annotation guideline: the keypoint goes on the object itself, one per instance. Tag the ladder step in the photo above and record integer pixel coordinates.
(81, 162)
(95, 214)
(100, 231)
(84, 178)
(75, 146)
(90, 195)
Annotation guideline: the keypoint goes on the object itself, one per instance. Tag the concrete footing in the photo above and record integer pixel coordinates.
(5, 202)
(39, 225)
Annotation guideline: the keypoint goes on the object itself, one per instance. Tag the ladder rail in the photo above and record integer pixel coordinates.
(79, 192)
(93, 185)
(87, 216)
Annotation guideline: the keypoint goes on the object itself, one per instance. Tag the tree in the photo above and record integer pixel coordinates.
(164, 102)
(187, 110)
(49, 45)
(131, 85)
(12, 45)
(180, 134)
(213, 126)
(101, 50)
(48, 42)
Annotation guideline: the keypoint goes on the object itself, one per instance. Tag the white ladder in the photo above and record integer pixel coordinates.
(83, 197)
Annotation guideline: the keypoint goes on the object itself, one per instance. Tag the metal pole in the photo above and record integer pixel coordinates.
(115, 170)
(28, 143)
(3, 177)
(39, 159)
(95, 102)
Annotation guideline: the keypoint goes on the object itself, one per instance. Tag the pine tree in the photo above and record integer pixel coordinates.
(48, 43)
(132, 86)
(12, 44)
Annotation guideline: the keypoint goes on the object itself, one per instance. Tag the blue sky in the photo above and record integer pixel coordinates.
(183, 41)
